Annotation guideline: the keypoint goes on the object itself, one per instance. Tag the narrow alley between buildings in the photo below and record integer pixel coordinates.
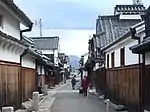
(67, 100)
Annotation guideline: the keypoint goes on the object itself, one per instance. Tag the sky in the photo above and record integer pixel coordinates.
(72, 42)
(71, 20)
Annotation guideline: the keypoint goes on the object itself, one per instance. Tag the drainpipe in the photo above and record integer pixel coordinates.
(133, 32)
(25, 30)
(21, 36)
(21, 56)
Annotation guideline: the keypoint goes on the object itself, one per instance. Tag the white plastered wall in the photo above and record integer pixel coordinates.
(130, 58)
(10, 25)
(28, 61)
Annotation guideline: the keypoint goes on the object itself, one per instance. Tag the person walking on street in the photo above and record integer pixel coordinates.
(85, 85)
(73, 82)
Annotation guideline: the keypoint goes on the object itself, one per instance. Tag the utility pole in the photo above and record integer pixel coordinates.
(40, 27)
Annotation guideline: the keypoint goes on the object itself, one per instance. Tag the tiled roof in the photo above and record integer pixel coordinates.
(46, 43)
(113, 28)
(132, 9)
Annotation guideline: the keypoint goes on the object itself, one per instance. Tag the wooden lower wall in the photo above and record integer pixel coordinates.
(100, 80)
(28, 82)
(49, 80)
(10, 85)
(122, 86)
(16, 84)
(147, 87)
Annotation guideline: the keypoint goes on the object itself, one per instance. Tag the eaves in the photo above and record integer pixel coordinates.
(4, 35)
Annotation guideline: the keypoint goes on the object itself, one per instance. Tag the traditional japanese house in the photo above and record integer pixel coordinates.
(117, 75)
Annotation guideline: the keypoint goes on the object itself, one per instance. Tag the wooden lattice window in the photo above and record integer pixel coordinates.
(122, 56)
(112, 59)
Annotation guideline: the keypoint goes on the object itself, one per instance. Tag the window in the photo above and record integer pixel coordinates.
(107, 60)
(122, 56)
(112, 59)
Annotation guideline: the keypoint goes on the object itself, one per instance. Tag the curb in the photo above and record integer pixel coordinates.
(55, 90)
(58, 88)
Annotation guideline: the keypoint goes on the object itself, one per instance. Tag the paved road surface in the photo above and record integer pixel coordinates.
(68, 100)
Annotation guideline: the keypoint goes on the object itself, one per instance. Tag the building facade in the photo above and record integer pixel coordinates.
(48, 46)
(12, 49)
(116, 67)
(142, 49)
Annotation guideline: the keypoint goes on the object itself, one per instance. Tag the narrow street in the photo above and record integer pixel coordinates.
(69, 100)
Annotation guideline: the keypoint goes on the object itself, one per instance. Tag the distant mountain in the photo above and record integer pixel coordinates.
(74, 61)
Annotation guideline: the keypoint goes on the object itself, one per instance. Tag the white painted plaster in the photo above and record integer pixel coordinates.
(147, 58)
(130, 58)
(43, 70)
(56, 57)
(117, 58)
(130, 16)
(28, 61)
(55, 52)
(47, 51)
(7, 55)
(11, 25)
(39, 70)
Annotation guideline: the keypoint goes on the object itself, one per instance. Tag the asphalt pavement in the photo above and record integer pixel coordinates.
(68, 100)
